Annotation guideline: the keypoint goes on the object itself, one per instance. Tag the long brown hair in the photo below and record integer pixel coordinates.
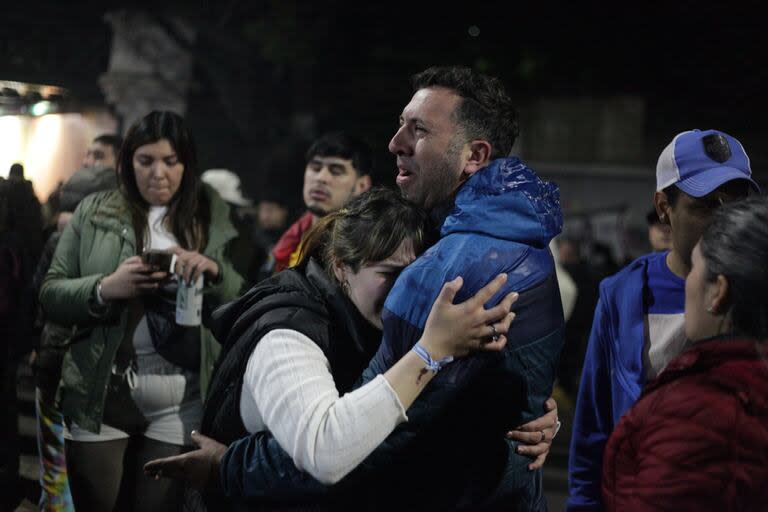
(368, 229)
(188, 211)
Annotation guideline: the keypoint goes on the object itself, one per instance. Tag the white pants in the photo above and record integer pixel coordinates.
(171, 404)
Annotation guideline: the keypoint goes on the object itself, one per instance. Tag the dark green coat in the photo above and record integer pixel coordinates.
(99, 237)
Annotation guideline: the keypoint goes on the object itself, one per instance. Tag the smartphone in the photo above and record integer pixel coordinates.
(160, 261)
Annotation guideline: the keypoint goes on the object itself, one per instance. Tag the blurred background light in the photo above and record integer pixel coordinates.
(43, 147)
(41, 108)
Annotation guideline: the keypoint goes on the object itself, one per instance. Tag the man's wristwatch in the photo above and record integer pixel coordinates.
(431, 364)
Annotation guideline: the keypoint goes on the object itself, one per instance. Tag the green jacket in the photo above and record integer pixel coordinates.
(99, 237)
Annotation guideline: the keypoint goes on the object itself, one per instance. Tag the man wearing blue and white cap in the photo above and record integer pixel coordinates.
(638, 323)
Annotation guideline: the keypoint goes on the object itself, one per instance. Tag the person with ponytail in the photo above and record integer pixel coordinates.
(295, 344)
(697, 439)
(133, 378)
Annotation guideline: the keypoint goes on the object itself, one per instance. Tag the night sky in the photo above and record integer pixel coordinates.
(696, 64)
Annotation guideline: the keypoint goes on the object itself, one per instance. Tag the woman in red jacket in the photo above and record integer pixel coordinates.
(698, 437)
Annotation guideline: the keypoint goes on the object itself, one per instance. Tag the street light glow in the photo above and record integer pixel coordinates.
(41, 108)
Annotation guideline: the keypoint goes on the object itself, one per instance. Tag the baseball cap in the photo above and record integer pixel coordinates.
(227, 184)
(698, 162)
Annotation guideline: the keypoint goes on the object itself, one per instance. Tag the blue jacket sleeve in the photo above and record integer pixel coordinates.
(593, 422)
(452, 407)
(257, 467)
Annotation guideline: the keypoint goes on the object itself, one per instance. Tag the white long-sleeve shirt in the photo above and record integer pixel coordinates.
(288, 389)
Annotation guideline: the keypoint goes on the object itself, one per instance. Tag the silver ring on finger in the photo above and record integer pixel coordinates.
(494, 333)
(543, 436)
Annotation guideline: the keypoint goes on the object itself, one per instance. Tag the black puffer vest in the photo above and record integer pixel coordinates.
(303, 299)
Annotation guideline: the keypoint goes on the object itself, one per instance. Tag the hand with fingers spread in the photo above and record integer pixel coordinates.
(191, 264)
(131, 279)
(457, 329)
(538, 435)
(198, 468)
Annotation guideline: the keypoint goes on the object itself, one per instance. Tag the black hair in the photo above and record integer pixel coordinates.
(16, 171)
(672, 193)
(653, 217)
(486, 111)
(343, 145)
(20, 216)
(368, 229)
(188, 210)
(735, 245)
(107, 139)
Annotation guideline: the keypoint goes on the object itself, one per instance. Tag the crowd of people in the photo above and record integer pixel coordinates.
(391, 349)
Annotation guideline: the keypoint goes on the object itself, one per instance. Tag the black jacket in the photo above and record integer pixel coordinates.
(303, 299)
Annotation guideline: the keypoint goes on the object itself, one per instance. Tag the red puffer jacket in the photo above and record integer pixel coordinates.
(697, 439)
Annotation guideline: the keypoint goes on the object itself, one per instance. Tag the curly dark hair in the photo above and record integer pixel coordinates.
(486, 111)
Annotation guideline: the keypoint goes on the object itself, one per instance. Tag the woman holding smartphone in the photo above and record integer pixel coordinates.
(132, 379)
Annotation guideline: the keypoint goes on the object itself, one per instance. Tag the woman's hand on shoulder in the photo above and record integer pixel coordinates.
(457, 329)
(132, 278)
(191, 264)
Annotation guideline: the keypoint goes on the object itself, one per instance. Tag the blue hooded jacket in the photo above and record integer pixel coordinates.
(611, 380)
(502, 220)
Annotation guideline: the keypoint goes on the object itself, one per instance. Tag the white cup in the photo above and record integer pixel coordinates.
(189, 300)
